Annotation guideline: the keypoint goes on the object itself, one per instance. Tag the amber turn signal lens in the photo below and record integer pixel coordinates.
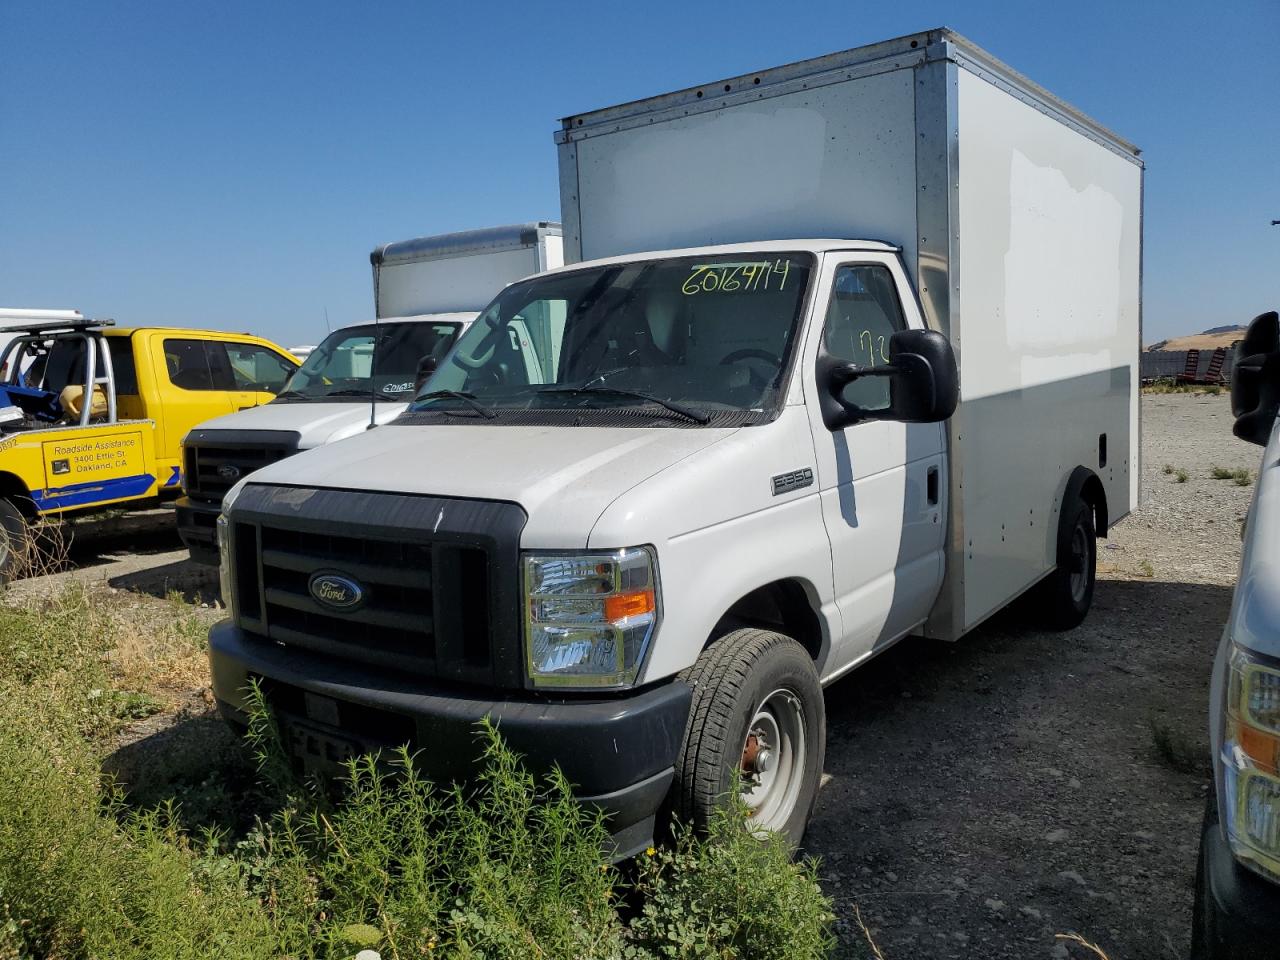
(1261, 746)
(623, 605)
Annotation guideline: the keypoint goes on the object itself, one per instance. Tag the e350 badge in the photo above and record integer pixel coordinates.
(786, 482)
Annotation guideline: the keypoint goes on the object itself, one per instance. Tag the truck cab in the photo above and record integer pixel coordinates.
(1237, 902)
(358, 377)
(426, 292)
(93, 414)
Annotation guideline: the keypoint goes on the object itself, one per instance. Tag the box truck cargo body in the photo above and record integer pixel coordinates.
(460, 271)
(1019, 220)
(426, 291)
(846, 352)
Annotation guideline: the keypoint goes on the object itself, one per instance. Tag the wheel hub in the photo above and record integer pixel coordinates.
(773, 760)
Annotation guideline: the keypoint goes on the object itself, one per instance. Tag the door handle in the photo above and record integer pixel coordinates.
(931, 486)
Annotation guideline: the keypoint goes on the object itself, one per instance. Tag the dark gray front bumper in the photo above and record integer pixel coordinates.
(197, 527)
(618, 753)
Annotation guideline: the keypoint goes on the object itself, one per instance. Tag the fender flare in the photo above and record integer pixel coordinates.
(1084, 484)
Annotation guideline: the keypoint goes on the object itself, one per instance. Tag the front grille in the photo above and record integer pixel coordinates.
(438, 579)
(214, 460)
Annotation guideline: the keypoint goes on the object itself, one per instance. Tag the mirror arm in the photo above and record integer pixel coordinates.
(845, 375)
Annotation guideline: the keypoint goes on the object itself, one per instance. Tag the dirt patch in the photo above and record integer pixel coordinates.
(985, 795)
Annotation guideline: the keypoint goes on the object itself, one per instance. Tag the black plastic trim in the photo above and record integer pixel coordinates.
(436, 522)
(199, 538)
(619, 752)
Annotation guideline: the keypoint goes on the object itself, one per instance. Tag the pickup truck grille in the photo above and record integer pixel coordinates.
(436, 580)
(214, 460)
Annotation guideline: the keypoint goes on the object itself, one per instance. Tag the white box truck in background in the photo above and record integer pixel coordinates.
(654, 501)
(426, 291)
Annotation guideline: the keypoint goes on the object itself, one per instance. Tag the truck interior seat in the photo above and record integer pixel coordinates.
(71, 399)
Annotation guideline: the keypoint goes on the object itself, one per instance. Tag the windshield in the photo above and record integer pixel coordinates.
(688, 339)
(392, 353)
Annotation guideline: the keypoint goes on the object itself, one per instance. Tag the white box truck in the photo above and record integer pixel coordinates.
(426, 291)
(655, 501)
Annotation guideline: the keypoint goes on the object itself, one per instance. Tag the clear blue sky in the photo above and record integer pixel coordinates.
(232, 164)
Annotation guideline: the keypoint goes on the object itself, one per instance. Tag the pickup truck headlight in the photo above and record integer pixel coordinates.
(224, 561)
(1251, 761)
(589, 617)
(225, 578)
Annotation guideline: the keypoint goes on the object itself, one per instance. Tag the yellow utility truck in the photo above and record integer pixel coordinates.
(93, 415)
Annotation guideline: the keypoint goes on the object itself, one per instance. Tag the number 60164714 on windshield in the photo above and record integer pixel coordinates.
(737, 277)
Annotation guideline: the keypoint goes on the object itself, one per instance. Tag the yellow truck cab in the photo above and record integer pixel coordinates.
(148, 386)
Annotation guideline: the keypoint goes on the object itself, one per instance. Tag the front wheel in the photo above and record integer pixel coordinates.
(757, 708)
(15, 541)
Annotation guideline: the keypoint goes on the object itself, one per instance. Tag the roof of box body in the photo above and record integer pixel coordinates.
(468, 242)
(901, 52)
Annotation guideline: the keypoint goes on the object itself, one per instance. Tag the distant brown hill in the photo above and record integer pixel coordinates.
(1209, 340)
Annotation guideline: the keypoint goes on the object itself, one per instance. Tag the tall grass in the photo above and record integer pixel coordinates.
(507, 868)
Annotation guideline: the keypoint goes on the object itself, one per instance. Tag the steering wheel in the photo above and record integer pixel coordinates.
(754, 376)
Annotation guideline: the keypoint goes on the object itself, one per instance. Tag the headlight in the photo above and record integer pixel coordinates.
(225, 579)
(589, 617)
(1251, 761)
(224, 560)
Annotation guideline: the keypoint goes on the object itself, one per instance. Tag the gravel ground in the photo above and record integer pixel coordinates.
(983, 796)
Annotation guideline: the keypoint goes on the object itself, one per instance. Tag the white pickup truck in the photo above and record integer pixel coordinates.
(1237, 907)
(654, 501)
(426, 291)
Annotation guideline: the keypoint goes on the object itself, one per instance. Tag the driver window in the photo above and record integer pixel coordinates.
(864, 313)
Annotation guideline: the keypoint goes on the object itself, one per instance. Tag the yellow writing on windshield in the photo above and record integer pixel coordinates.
(874, 345)
(752, 277)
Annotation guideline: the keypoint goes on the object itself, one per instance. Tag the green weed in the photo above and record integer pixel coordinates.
(1241, 477)
(509, 867)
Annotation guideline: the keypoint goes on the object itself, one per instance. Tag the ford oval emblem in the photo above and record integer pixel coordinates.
(335, 591)
(229, 471)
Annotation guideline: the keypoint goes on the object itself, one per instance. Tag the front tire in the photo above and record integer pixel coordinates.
(15, 542)
(757, 707)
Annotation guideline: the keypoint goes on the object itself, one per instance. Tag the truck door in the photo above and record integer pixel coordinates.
(254, 374)
(191, 390)
(880, 482)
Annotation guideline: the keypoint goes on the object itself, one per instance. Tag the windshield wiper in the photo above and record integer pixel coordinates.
(295, 395)
(679, 408)
(467, 398)
(352, 392)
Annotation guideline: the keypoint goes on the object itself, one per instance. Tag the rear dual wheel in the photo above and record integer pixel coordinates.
(757, 709)
(1067, 594)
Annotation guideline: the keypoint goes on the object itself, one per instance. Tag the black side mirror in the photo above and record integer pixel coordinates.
(924, 384)
(1255, 380)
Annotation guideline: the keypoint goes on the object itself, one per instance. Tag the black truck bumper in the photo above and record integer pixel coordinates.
(618, 753)
(198, 528)
(1237, 912)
